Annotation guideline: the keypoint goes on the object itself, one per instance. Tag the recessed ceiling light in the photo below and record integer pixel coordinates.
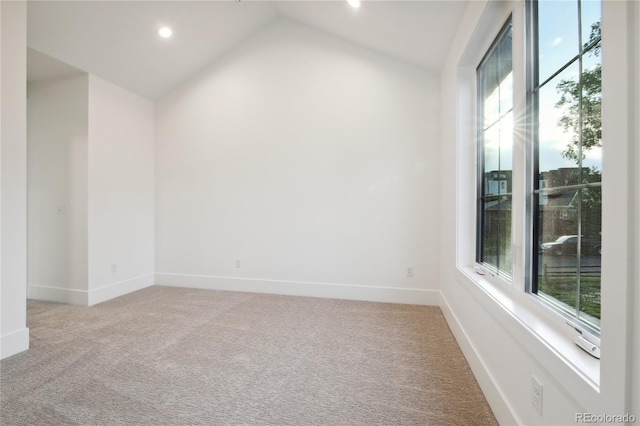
(165, 32)
(354, 3)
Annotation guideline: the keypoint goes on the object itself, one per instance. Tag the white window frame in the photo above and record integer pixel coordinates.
(603, 383)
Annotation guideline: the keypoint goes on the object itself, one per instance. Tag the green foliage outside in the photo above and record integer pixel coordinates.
(583, 103)
(563, 288)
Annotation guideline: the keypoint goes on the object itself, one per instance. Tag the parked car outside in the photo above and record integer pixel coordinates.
(568, 245)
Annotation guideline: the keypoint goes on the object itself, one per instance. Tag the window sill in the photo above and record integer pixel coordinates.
(539, 323)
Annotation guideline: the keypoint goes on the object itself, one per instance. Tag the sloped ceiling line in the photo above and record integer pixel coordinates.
(117, 41)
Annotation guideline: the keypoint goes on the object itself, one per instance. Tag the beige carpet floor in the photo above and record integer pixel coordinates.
(173, 356)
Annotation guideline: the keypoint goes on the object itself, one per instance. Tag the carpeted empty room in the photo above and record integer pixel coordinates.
(319, 212)
(174, 356)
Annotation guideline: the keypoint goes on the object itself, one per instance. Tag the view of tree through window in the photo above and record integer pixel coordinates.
(495, 157)
(566, 104)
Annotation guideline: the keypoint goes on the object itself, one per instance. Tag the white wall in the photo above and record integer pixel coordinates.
(310, 160)
(121, 191)
(636, 299)
(504, 344)
(1, 102)
(14, 333)
(57, 121)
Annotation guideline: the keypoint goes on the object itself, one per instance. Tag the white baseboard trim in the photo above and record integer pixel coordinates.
(13, 343)
(90, 297)
(410, 296)
(493, 394)
(120, 288)
(56, 294)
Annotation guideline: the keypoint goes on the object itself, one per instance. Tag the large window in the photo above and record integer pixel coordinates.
(558, 159)
(495, 155)
(566, 156)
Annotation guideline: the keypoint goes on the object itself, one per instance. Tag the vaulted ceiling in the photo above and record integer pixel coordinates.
(118, 40)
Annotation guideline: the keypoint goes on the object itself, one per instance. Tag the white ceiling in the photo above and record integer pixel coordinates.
(117, 40)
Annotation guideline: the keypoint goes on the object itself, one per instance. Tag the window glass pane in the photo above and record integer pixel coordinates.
(496, 151)
(504, 241)
(496, 80)
(491, 152)
(558, 243)
(506, 94)
(491, 91)
(591, 15)
(557, 35)
(506, 148)
(592, 110)
(497, 233)
(567, 222)
(490, 233)
(591, 256)
(505, 72)
(591, 216)
(557, 218)
(558, 140)
(496, 212)
(492, 108)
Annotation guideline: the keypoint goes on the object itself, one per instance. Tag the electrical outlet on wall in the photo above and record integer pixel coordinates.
(238, 263)
(409, 271)
(536, 394)
(114, 268)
